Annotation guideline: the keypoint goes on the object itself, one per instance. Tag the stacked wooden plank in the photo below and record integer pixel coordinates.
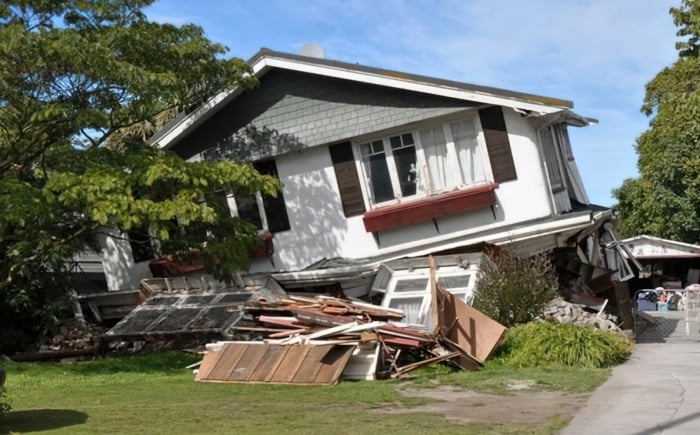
(313, 340)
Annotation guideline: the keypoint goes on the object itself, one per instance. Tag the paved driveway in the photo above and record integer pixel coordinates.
(657, 391)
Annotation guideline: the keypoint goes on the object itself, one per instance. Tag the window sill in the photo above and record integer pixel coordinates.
(432, 207)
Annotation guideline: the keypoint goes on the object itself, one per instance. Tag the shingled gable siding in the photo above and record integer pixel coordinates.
(348, 181)
(498, 145)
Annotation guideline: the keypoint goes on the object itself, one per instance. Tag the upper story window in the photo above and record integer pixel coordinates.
(424, 162)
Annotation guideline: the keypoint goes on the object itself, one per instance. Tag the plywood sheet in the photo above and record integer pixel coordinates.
(256, 362)
(470, 329)
(267, 367)
(227, 361)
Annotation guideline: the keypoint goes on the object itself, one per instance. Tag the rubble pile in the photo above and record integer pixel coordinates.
(303, 340)
(560, 311)
(72, 335)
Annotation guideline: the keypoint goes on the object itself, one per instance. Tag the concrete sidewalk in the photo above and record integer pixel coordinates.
(656, 391)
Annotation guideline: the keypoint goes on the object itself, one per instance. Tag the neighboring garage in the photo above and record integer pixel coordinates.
(667, 264)
(666, 294)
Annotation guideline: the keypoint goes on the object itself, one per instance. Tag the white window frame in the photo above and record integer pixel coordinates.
(233, 207)
(454, 178)
(390, 294)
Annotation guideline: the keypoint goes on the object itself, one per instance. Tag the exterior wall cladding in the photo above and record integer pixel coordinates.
(317, 110)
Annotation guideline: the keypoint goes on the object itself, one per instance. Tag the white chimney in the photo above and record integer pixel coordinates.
(313, 50)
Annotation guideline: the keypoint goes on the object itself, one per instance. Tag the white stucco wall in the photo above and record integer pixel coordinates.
(121, 271)
(527, 197)
(319, 229)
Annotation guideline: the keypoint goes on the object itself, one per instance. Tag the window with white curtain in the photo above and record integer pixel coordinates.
(471, 164)
(435, 149)
(412, 308)
(430, 160)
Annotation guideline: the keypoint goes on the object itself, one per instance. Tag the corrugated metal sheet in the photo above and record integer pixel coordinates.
(256, 362)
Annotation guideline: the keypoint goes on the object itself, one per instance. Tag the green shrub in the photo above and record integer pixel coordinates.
(550, 344)
(514, 290)
(4, 405)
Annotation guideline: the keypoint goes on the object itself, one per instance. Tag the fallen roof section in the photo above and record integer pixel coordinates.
(182, 313)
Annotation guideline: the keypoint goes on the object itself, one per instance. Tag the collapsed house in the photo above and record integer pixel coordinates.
(379, 170)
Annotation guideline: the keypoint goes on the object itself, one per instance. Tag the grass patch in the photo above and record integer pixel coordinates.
(154, 394)
(496, 377)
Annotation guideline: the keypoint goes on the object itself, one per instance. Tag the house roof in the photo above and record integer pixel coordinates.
(266, 60)
(645, 246)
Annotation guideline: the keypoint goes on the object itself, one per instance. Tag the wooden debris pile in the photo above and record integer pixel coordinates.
(305, 340)
(66, 339)
(72, 335)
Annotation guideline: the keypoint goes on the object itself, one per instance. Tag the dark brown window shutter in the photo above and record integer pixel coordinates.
(498, 145)
(275, 209)
(348, 181)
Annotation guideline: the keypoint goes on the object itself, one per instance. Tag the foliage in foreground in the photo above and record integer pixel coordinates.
(550, 344)
(514, 290)
(83, 85)
(4, 405)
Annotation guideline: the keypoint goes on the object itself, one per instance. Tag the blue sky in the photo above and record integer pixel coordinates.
(597, 53)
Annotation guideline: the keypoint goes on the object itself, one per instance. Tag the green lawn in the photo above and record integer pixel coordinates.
(155, 394)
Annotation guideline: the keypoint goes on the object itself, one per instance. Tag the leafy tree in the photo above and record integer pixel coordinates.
(664, 200)
(83, 85)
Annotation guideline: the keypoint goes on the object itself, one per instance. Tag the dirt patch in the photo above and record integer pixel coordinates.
(516, 407)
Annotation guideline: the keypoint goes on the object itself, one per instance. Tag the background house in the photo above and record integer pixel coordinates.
(381, 164)
(667, 263)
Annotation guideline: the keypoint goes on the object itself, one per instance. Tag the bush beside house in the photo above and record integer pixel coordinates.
(514, 290)
(542, 344)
